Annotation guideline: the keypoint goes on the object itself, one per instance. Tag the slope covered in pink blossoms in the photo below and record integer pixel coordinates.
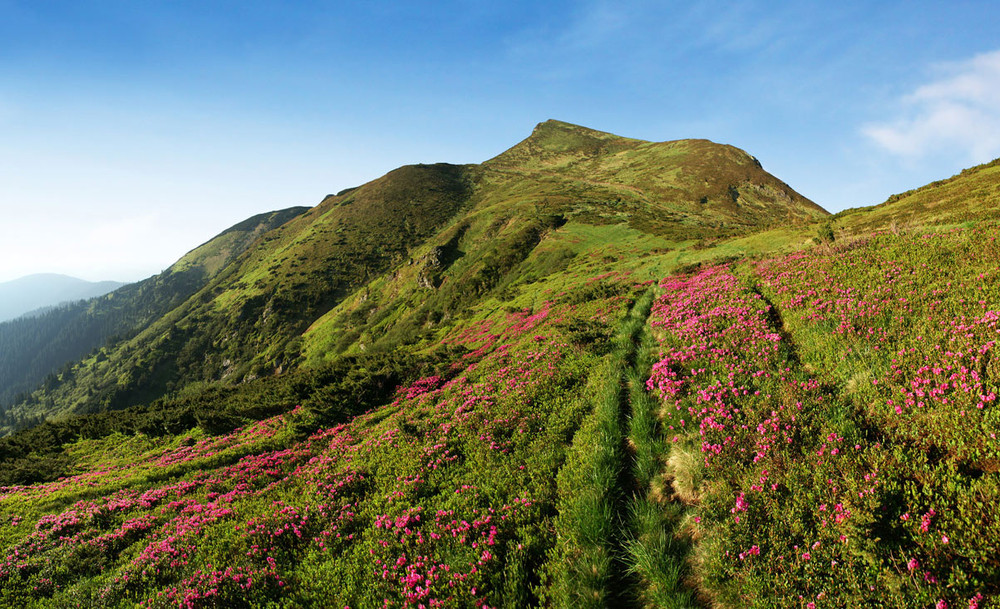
(444, 496)
(841, 405)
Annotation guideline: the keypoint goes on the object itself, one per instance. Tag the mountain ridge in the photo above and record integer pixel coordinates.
(470, 225)
(972, 195)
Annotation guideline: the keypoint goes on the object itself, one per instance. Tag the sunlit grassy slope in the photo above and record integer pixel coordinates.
(680, 189)
(214, 255)
(970, 196)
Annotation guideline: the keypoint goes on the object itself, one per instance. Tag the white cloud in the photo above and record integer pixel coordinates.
(958, 114)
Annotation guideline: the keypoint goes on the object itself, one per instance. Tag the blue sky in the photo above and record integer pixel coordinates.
(132, 131)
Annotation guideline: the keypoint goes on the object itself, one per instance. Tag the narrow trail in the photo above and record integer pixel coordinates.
(596, 485)
(650, 549)
(618, 545)
(628, 583)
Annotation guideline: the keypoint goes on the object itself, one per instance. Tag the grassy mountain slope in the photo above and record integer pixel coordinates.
(565, 191)
(682, 189)
(243, 321)
(35, 349)
(217, 253)
(970, 196)
(388, 262)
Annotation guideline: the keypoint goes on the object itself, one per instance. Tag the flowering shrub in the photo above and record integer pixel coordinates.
(818, 429)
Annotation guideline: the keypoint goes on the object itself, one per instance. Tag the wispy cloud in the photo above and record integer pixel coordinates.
(957, 114)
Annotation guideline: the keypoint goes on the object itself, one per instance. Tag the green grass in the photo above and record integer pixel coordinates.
(657, 555)
(616, 544)
(585, 565)
(656, 552)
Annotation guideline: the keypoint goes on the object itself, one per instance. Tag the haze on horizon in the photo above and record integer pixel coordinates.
(130, 134)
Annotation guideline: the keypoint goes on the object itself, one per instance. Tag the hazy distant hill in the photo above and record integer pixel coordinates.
(34, 292)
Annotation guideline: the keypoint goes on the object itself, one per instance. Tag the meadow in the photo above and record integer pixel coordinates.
(809, 429)
(444, 496)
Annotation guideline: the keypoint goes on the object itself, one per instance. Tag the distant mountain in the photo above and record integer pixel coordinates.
(35, 348)
(43, 290)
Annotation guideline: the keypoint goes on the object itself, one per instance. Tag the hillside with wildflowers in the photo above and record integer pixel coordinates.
(603, 373)
(838, 406)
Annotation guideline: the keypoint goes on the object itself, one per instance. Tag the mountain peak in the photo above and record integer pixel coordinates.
(554, 138)
(559, 136)
(556, 128)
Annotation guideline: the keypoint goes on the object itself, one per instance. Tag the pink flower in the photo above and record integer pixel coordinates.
(741, 504)
(925, 520)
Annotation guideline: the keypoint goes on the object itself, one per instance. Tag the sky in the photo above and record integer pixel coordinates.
(133, 131)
